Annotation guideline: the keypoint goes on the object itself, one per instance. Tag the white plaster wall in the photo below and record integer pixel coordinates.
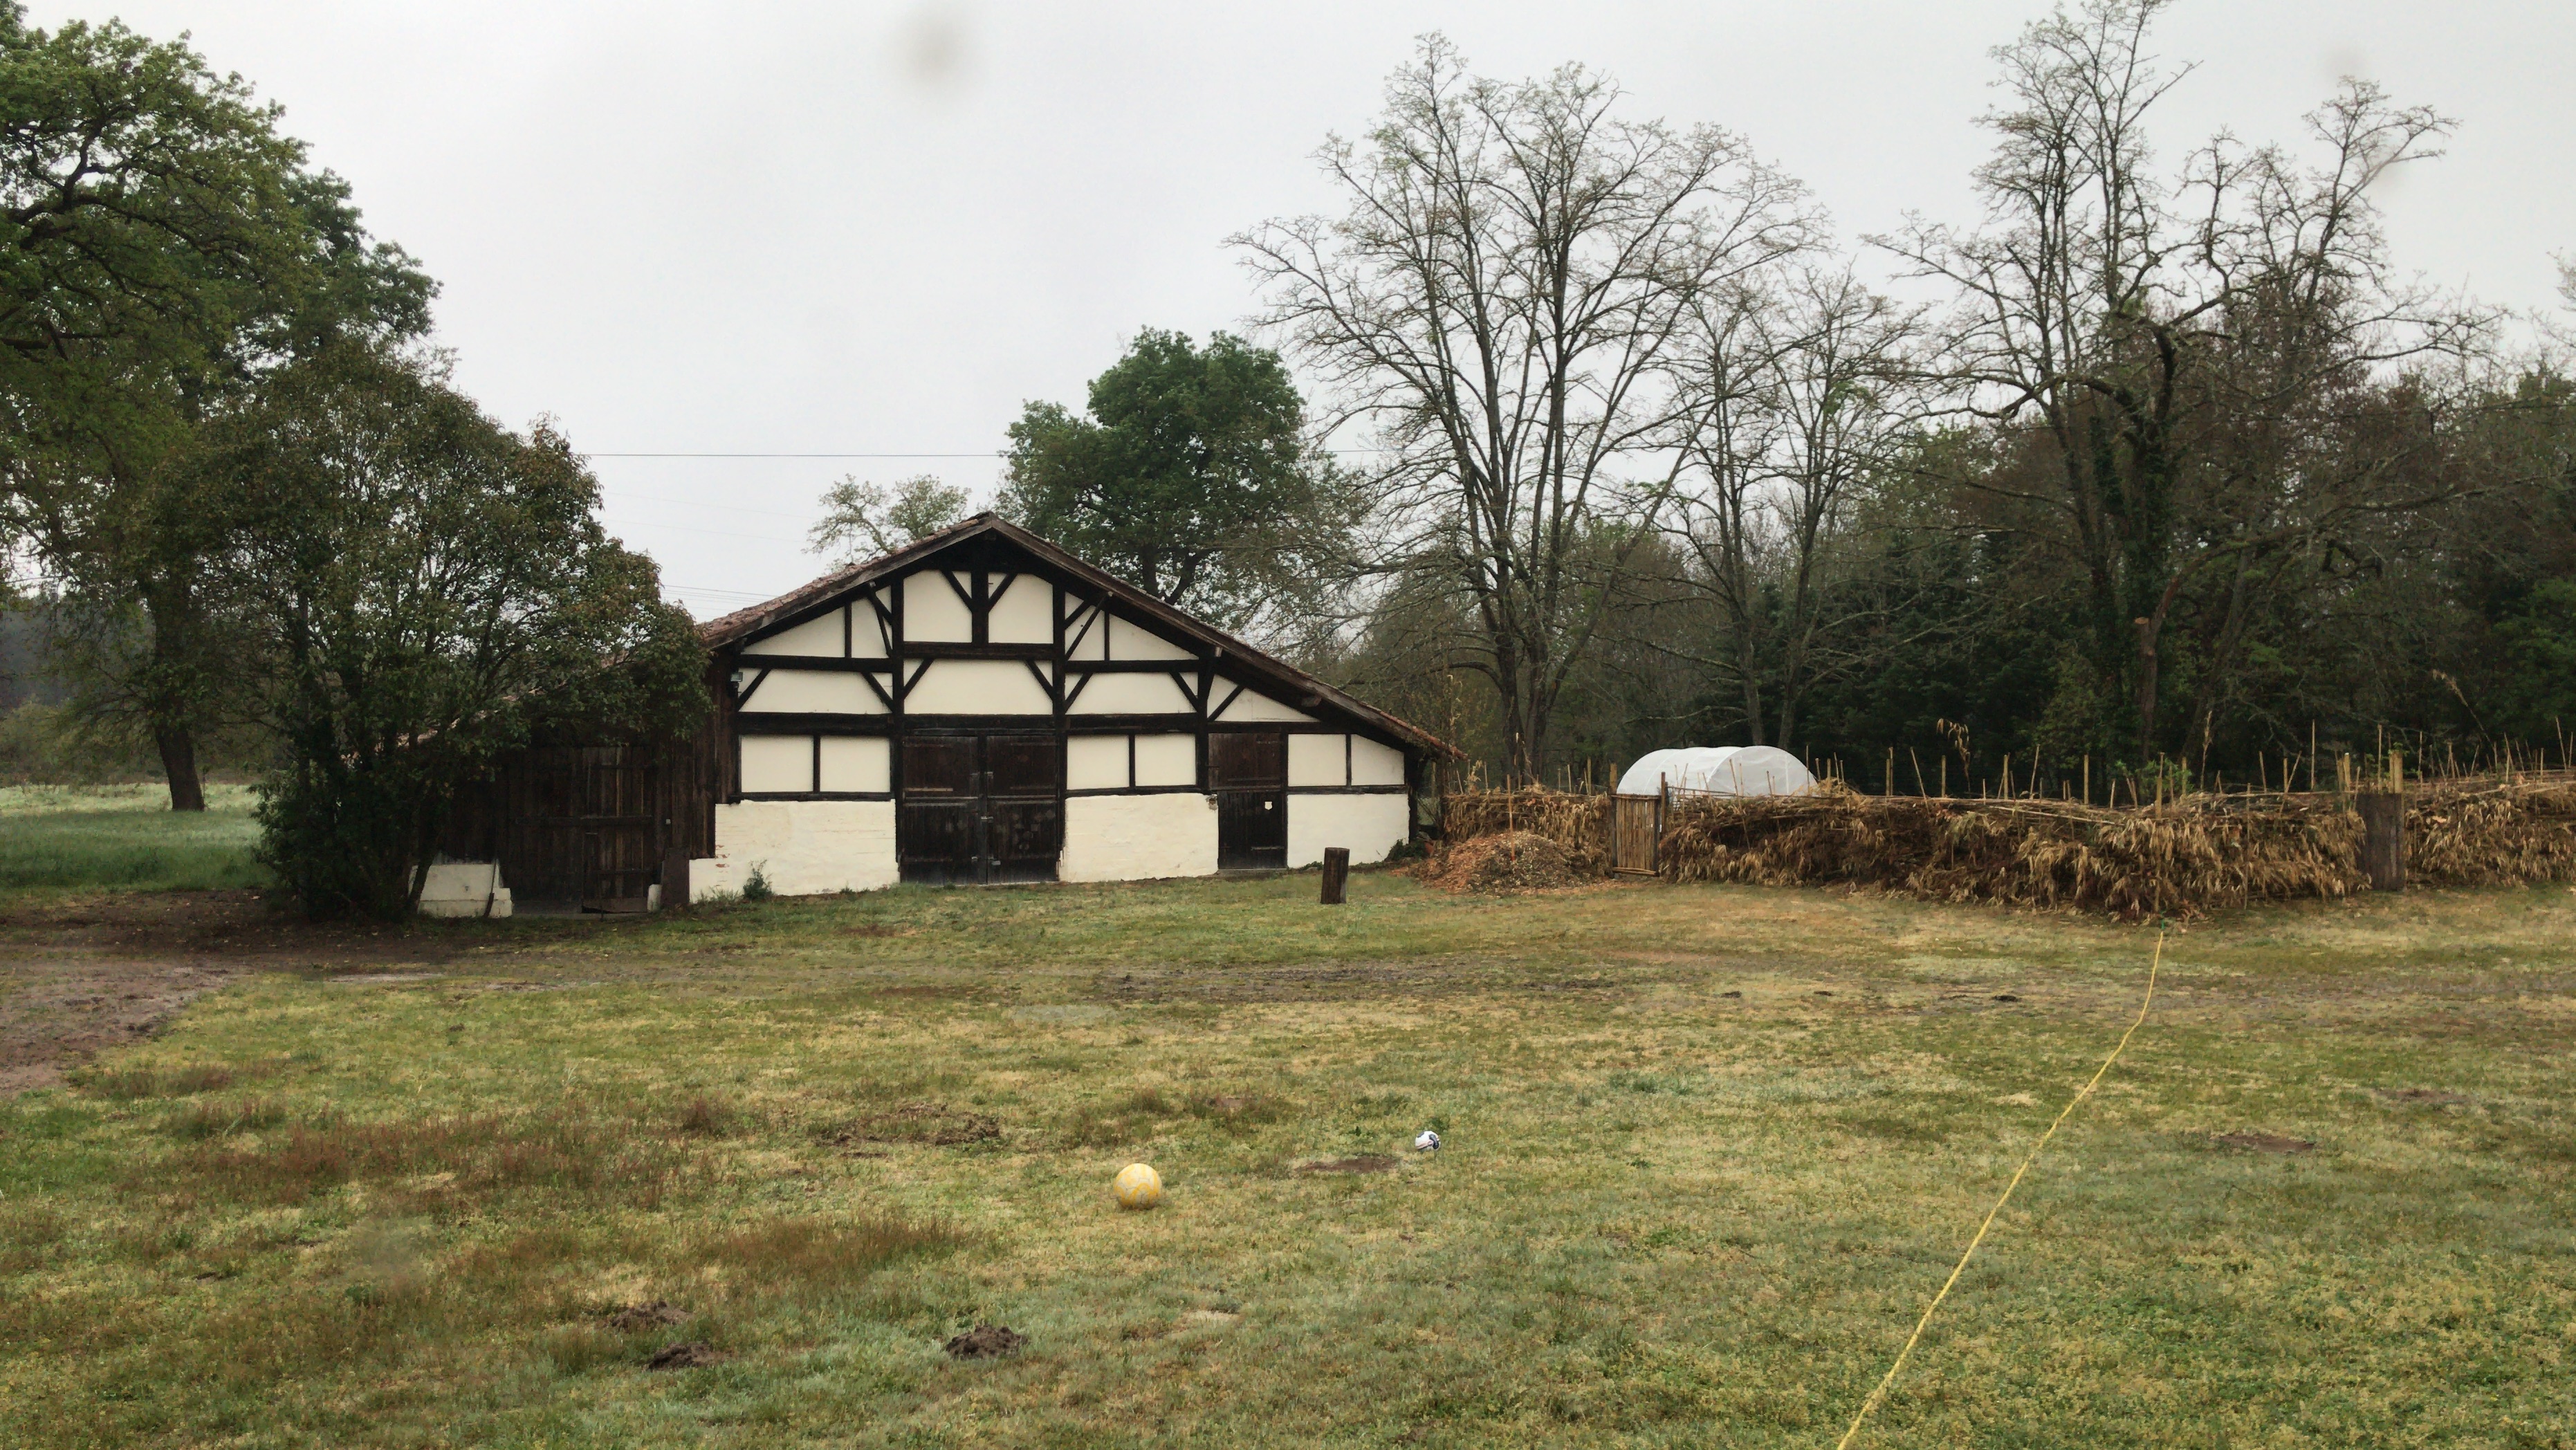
(1253, 705)
(1086, 633)
(1370, 825)
(867, 632)
(932, 610)
(777, 762)
(1167, 760)
(1131, 695)
(1375, 764)
(1138, 837)
(975, 687)
(1134, 642)
(856, 763)
(1025, 614)
(813, 637)
(816, 692)
(1316, 760)
(806, 848)
(1095, 762)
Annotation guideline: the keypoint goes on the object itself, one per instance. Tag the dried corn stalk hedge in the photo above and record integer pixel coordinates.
(2199, 854)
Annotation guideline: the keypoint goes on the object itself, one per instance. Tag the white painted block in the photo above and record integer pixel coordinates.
(1370, 825)
(977, 687)
(777, 763)
(1316, 760)
(1253, 705)
(1375, 764)
(1138, 837)
(856, 763)
(1131, 641)
(1086, 633)
(813, 637)
(1025, 614)
(868, 637)
(1167, 760)
(805, 848)
(464, 888)
(815, 692)
(932, 612)
(1131, 695)
(1095, 762)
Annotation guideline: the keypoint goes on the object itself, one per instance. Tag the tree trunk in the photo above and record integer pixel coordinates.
(2146, 689)
(178, 745)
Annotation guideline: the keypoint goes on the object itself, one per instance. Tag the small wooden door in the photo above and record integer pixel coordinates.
(980, 808)
(1023, 807)
(1636, 821)
(1248, 774)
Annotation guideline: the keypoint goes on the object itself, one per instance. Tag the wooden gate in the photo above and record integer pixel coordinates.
(587, 827)
(1636, 824)
(980, 808)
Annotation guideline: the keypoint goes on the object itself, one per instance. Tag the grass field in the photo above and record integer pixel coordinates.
(1709, 1150)
(125, 837)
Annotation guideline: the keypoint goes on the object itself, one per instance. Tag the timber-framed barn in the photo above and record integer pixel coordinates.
(980, 706)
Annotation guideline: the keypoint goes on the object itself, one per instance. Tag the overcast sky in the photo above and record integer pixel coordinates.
(879, 229)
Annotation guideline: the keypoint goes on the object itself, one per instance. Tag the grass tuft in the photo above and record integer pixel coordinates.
(132, 1084)
(222, 1119)
(820, 1251)
(708, 1116)
(479, 1154)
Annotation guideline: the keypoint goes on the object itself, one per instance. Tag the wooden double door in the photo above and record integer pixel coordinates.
(1248, 775)
(980, 808)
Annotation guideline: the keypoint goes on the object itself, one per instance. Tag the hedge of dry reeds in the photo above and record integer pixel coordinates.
(1578, 822)
(2182, 858)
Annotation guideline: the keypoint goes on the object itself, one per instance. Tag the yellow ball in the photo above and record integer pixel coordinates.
(1138, 1186)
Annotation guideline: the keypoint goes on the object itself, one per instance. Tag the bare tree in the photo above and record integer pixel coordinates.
(1798, 396)
(1498, 303)
(2123, 321)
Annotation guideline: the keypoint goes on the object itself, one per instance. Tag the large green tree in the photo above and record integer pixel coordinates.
(430, 587)
(162, 245)
(1191, 477)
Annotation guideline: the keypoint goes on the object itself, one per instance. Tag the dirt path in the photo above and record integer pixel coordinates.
(81, 975)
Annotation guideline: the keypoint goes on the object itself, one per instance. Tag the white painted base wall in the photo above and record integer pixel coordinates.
(805, 848)
(1138, 837)
(1370, 825)
(464, 888)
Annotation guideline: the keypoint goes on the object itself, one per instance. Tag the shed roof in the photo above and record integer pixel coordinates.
(742, 624)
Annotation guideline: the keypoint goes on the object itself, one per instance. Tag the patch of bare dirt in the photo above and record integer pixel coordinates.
(1365, 1163)
(2252, 1142)
(635, 1318)
(1337, 981)
(82, 975)
(986, 1341)
(928, 1123)
(692, 1355)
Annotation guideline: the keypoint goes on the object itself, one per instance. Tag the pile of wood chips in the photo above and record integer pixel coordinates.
(1503, 863)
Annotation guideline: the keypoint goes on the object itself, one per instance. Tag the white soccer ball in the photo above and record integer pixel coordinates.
(1429, 1142)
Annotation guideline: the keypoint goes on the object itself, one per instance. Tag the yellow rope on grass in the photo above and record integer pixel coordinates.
(1930, 1309)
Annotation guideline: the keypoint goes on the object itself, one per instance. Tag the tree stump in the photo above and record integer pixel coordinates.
(1337, 873)
(2383, 839)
